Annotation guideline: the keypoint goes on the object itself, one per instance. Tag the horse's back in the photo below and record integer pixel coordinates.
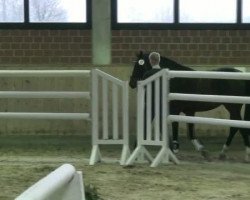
(229, 87)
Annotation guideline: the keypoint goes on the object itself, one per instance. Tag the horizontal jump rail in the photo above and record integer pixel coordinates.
(33, 115)
(44, 94)
(210, 121)
(209, 98)
(110, 141)
(44, 73)
(209, 75)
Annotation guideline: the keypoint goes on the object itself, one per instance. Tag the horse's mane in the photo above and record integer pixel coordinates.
(173, 65)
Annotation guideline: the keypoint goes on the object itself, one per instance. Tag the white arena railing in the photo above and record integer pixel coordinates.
(65, 183)
(107, 131)
(118, 105)
(44, 94)
(209, 98)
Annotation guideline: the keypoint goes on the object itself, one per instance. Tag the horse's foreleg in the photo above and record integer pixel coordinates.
(191, 136)
(197, 145)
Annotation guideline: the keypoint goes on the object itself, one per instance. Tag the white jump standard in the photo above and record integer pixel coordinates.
(161, 130)
(103, 137)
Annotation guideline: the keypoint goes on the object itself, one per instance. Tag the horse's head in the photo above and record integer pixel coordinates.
(141, 66)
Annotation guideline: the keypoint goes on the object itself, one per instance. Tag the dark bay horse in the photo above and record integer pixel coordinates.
(142, 69)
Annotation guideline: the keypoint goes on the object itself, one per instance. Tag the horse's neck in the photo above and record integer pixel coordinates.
(172, 65)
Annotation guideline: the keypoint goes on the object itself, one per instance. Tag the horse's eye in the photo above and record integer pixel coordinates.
(141, 62)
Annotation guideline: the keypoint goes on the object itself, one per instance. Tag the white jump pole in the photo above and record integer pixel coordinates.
(44, 94)
(44, 73)
(65, 183)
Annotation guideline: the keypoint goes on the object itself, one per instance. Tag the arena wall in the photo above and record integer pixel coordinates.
(72, 49)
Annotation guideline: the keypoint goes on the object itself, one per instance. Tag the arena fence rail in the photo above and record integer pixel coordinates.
(45, 94)
(210, 98)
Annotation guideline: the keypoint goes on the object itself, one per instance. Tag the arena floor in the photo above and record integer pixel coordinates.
(26, 159)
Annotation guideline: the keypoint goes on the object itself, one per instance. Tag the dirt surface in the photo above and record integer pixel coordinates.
(24, 160)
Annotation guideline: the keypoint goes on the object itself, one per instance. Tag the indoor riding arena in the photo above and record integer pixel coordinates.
(124, 100)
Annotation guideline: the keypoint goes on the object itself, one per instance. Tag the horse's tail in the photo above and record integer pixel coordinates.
(247, 106)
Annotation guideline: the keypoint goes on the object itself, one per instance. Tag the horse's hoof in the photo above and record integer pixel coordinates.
(247, 159)
(222, 156)
(175, 147)
(176, 150)
(128, 166)
(205, 154)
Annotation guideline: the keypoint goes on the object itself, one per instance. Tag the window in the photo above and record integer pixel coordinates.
(52, 14)
(57, 11)
(141, 11)
(207, 11)
(11, 11)
(245, 11)
(181, 14)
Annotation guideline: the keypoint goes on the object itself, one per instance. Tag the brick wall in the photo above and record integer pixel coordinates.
(45, 46)
(73, 47)
(197, 47)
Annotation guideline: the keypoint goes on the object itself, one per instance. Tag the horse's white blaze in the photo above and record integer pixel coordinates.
(141, 62)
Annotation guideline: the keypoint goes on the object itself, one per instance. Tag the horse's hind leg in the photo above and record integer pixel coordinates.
(234, 112)
(245, 135)
(228, 142)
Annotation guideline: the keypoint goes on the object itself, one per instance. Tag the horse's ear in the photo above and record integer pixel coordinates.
(140, 54)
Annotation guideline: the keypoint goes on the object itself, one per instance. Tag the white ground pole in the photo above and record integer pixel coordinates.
(100, 115)
(211, 98)
(64, 183)
(154, 138)
(44, 94)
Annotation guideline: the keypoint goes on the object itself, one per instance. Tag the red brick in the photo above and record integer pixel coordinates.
(117, 40)
(147, 39)
(5, 32)
(135, 33)
(125, 33)
(18, 53)
(116, 46)
(116, 33)
(144, 33)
